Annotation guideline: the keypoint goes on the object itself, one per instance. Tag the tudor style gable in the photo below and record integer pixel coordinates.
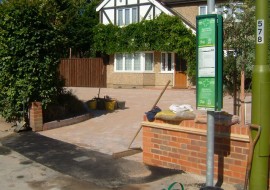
(124, 12)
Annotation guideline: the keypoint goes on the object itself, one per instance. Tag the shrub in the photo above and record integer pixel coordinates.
(30, 47)
(67, 105)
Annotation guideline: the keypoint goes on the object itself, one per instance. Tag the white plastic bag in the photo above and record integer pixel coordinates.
(179, 108)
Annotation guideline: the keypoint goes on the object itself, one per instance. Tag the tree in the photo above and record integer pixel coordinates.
(78, 27)
(239, 39)
(30, 48)
(239, 36)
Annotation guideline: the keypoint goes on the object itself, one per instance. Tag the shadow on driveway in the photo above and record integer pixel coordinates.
(81, 163)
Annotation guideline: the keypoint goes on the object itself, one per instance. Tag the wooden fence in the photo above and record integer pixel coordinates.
(83, 72)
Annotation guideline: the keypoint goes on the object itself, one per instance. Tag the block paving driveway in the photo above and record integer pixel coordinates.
(79, 156)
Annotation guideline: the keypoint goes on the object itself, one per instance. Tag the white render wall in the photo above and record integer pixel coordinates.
(110, 9)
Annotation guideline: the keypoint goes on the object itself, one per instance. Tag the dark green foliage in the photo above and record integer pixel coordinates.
(239, 36)
(165, 33)
(30, 48)
(230, 74)
(78, 27)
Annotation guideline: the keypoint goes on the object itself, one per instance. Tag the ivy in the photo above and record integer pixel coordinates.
(164, 33)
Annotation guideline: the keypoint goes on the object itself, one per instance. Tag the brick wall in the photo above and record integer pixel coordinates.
(36, 118)
(184, 147)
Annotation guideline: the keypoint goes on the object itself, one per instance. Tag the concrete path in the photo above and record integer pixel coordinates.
(83, 164)
(18, 172)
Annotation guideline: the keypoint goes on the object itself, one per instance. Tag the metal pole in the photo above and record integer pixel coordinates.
(210, 148)
(210, 6)
(210, 126)
(261, 100)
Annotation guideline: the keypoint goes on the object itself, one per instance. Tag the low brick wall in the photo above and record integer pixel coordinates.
(36, 119)
(65, 122)
(183, 146)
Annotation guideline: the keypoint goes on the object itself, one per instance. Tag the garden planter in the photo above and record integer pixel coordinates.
(92, 104)
(110, 105)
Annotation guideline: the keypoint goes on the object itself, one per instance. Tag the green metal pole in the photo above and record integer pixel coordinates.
(261, 100)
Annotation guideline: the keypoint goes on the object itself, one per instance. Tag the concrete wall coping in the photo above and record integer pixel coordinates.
(236, 137)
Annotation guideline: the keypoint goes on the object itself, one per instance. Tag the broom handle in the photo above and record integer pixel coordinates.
(161, 94)
(151, 109)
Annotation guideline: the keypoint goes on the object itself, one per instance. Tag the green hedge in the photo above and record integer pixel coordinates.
(30, 46)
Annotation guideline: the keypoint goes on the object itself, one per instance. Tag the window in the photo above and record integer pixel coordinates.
(136, 62)
(119, 61)
(148, 62)
(202, 10)
(128, 62)
(134, 15)
(127, 16)
(120, 17)
(167, 63)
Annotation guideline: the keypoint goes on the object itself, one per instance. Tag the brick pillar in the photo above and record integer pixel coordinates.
(36, 118)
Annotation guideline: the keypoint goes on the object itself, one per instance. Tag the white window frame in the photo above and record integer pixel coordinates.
(133, 69)
(124, 11)
(164, 67)
(199, 11)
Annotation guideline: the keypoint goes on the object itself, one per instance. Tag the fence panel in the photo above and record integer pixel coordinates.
(83, 72)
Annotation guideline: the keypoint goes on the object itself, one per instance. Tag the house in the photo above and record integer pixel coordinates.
(187, 10)
(147, 69)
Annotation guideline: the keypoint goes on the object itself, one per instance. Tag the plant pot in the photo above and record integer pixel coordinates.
(110, 105)
(92, 104)
(121, 104)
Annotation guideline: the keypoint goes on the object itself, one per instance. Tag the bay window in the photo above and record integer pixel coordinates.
(134, 62)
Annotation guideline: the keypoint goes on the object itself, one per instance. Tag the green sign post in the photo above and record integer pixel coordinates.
(209, 87)
(209, 62)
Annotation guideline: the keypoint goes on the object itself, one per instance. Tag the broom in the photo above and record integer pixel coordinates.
(130, 151)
